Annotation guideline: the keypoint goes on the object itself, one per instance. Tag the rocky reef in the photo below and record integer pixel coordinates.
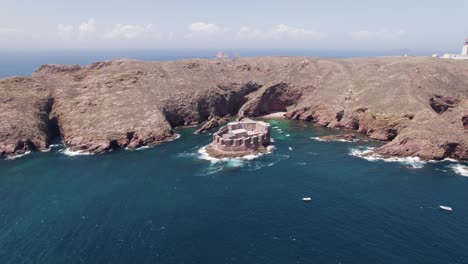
(419, 105)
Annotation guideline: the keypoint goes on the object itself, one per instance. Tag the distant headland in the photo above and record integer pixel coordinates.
(417, 105)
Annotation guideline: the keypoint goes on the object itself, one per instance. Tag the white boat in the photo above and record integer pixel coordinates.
(290, 148)
(446, 208)
(287, 135)
(306, 199)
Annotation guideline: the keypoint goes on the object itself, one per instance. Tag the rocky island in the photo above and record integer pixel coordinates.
(418, 105)
(239, 139)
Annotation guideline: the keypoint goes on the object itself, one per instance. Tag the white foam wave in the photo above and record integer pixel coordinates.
(334, 140)
(318, 139)
(249, 162)
(142, 148)
(73, 153)
(205, 156)
(18, 156)
(444, 160)
(368, 154)
(460, 169)
(176, 136)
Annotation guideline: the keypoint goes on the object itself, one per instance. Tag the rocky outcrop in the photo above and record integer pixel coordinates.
(342, 137)
(419, 105)
(25, 126)
(465, 122)
(270, 99)
(213, 122)
(441, 104)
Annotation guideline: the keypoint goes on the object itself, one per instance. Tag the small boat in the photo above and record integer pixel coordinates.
(290, 148)
(445, 208)
(306, 199)
(287, 135)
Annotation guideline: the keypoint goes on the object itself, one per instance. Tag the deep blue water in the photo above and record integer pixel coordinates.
(167, 205)
(23, 63)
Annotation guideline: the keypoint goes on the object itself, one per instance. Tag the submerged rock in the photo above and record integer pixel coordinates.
(342, 137)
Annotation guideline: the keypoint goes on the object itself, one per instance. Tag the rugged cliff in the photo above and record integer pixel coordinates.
(419, 105)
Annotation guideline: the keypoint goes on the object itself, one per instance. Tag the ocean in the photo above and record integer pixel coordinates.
(170, 204)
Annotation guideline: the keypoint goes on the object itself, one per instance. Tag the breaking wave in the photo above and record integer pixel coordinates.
(18, 156)
(73, 153)
(368, 154)
(204, 155)
(51, 146)
(460, 169)
(334, 140)
(248, 162)
(176, 136)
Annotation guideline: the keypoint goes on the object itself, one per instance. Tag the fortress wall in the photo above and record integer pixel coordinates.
(242, 144)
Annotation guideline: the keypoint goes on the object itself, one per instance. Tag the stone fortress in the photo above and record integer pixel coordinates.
(240, 138)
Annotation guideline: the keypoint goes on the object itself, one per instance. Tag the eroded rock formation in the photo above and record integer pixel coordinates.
(418, 104)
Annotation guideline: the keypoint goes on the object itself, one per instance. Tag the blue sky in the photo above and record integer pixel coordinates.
(431, 25)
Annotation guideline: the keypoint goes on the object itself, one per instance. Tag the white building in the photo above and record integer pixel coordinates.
(465, 48)
(462, 56)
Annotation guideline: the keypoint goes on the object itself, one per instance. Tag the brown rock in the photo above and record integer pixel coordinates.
(441, 104)
(128, 103)
(210, 124)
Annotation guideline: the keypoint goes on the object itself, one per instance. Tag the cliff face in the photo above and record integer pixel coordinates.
(419, 105)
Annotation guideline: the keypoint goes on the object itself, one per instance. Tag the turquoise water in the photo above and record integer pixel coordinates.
(167, 205)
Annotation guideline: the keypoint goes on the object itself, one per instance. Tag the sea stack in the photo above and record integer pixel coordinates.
(239, 139)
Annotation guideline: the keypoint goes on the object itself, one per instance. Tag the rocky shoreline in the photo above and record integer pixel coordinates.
(215, 153)
(419, 105)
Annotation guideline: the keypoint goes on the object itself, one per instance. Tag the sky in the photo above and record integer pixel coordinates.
(421, 26)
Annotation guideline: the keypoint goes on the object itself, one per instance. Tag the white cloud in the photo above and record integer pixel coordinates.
(201, 27)
(383, 34)
(250, 33)
(283, 30)
(7, 30)
(122, 31)
(87, 29)
(65, 32)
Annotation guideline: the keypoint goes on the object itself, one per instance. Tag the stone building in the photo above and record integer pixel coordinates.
(240, 138)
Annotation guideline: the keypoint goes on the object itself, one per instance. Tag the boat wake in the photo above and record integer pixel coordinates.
(368, 154)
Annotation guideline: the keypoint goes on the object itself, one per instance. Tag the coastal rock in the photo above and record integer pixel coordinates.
(210, 124)
(417, 104)
(24, 116)
(441, 104)
(341, 137)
